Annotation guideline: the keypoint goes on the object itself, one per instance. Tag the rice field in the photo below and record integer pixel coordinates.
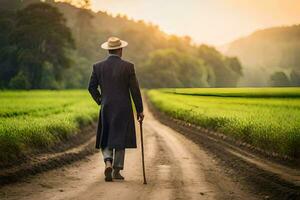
(268, 118)
(31, 120)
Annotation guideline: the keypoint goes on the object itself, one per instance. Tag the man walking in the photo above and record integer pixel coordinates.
(116, 128)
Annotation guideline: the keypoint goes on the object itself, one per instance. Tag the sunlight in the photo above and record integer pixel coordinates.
(79, 3)
(215, 21)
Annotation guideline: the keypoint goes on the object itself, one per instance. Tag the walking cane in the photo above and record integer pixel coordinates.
(142, 144)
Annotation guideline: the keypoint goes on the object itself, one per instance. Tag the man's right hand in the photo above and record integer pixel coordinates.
(140, 117)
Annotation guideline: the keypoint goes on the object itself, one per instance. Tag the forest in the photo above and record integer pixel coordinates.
(52, 45)
(270, 57)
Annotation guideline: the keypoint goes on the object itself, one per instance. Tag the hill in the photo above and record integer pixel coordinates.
(161, 60)
(269, 56)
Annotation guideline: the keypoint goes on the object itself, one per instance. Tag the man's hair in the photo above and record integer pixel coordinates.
(113, 51)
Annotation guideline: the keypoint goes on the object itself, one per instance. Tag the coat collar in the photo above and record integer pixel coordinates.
(113, 55)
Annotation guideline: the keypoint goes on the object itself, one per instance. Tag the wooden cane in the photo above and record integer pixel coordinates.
(142, 145)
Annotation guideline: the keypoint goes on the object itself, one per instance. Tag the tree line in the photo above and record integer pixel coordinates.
(270, 56)
(53, 45)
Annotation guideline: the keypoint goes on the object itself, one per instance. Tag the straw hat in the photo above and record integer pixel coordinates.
(114, 43)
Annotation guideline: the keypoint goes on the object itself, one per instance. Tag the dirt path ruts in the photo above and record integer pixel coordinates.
(176, 169)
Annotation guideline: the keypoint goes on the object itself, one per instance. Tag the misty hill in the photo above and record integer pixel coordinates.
(161, 60)
(269, 56)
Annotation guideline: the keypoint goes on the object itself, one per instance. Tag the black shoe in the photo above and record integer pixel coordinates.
(107, 173)
(117, 175)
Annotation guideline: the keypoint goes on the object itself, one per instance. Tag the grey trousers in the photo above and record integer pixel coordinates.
(116, 156)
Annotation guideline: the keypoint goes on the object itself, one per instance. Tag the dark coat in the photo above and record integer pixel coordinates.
(117, 80)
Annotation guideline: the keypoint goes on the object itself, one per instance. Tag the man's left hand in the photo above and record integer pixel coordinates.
(140, 117)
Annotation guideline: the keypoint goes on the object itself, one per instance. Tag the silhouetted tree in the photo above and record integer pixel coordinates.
(41, 36)
(171, 68)
(279, 79)
(84, 33)
(295, 77)
(8, 66)
(10, 5)
(227, 70)
(86, 4)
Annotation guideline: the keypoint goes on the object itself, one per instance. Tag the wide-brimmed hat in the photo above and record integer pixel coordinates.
(114, 43)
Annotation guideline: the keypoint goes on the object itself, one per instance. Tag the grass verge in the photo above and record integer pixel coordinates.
(258, 118)
(36, 120)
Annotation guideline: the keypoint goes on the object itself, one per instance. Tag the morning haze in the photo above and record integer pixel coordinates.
(84, 81)
(215, 22)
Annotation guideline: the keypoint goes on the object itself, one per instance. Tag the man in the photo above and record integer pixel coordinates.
(116, 129)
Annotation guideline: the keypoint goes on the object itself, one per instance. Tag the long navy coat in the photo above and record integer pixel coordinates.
(117, 80)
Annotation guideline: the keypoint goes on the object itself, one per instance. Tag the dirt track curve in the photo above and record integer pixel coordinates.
(176, 167)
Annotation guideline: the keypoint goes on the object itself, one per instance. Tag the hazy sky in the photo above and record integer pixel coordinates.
(209, 21)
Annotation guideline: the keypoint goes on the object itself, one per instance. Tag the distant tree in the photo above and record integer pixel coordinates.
(8, 67)
(41, 36)
(20, 81)
(10, 4)
(295, 77)
(78, 75)
(278, 79)
(227, 70)
(265, 51)
(86, 4)
(234, 64)
(84, 33)
(234, 70)
(171, 68)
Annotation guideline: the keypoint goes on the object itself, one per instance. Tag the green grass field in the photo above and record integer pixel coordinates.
(265, 117)
(38, 119)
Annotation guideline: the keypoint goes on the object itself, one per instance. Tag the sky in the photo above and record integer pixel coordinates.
(215, 22)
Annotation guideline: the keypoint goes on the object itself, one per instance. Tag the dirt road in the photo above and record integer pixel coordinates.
(176, 169)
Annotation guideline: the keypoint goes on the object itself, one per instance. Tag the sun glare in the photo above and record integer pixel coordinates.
(78, 3)
(215, 22)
